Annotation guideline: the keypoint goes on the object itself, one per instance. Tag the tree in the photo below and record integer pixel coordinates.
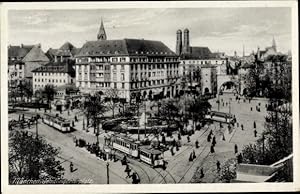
(275, 142)
(228, 171)
(113, 98)
(199, 108)
(93, 107)
(49, 91)
(32, 158)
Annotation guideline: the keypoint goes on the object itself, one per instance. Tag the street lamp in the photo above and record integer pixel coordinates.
(107, 172)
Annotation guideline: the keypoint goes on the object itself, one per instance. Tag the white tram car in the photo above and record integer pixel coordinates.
(59, 123)
(132, 148)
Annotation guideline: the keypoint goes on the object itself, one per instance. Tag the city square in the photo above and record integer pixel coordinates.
(136, 111)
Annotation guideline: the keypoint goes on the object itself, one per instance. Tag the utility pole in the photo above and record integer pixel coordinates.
(107, 172)
(145, 118)
(36, 127)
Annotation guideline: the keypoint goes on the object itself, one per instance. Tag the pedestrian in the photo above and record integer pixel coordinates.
(76, 119)
(73, 124)
(240, 158)
(212, 149)
(235, 149)
(163, 139)
(194, 154)
(188, 138)
(223, 137)
(255, 133)
(177, 147)
(174, 142)
(242, 126)
(211, 132)
(237, 124)
(76, 142)
(71, 166)
(28, 124)
(197, 144)
(179, 136)
(127, 170)
(171, 150)
(201, 173)
(218, 166)
(191, 158)
(208, 138)
(254, 125)
(251, 108)
(214, 142)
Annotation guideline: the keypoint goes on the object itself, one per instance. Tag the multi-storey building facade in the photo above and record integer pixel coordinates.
(16, 65)
(192, 59)
(53, 73)
(135, 68)
(209, 79)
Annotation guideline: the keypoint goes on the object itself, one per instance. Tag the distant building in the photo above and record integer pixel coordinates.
(66, 52)
(137, 68)
(192, 59)
(53, 73)
(16, 67)
(209, 79)
(22, 60)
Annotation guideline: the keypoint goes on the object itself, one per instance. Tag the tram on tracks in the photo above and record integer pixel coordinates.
(132, 148)
(57, 122)
(220, 117)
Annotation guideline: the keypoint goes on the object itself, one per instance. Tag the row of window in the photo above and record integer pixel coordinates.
(135, 85)
(48, 74)
(152, 66)
(202, 62)
(50, 80)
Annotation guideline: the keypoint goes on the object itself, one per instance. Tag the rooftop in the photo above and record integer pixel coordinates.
(125, 47)
(197, 53)
(57, 67)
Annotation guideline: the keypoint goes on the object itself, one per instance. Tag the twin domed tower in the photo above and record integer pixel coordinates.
(185, 48)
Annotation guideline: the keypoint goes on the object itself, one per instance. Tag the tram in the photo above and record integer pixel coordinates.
(57, 122)
(125, 145)
(152, 157)
(220, 117)
(132, 148)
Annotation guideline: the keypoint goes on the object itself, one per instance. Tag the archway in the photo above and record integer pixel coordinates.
(150, 95)
(206, 90)
(229, 87)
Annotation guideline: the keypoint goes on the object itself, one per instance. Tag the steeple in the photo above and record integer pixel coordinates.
(178, 42)
(274, 43)
(101, 34)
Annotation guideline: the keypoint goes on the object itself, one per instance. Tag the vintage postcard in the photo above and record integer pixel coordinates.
(145, 97)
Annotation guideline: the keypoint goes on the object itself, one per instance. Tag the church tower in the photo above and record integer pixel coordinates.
(101, 34)
(186, 42)
(178, 42)
(274, 44)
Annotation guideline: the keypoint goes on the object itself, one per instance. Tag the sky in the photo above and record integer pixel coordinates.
(220, 29)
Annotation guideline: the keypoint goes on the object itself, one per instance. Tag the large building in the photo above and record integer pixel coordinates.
(21, 60)
(66, 52)
(53, 73)
(137, 68)
(192, 59)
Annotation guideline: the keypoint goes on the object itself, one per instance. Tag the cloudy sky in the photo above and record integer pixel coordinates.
(223, 29)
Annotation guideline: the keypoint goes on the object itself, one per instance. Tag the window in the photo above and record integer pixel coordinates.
(115, 85)
(123, 59)
(123, 85)
(122, 67)
(122, 77)
(114, 59)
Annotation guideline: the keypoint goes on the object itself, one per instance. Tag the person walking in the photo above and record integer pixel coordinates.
(201, 173)
(214, 142)
(194, 154)
(197, 144)
(71, 167)
(255, 133)
(235, 148)
(191, 158)
(188, 138)
(218, 166)
(208, 138)
(127, 170)
(254, 125)
(242, 127)
(212, 149)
